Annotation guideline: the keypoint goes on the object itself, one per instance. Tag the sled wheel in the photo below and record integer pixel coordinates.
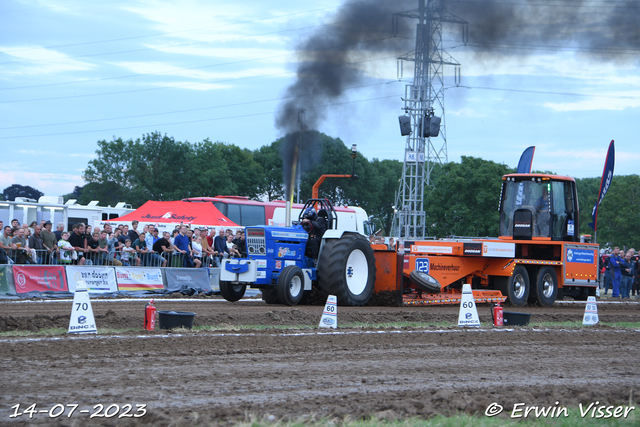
(517, 291)
(547, 286)
(290, 287)
(424, 281)
(347, 269)
(232, 292)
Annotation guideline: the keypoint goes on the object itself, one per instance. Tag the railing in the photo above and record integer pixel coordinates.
(117, 258)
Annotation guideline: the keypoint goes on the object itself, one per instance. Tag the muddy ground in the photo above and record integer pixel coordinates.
(291, 373)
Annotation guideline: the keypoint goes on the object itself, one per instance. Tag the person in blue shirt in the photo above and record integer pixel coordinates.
(616, 274)
(181, 243)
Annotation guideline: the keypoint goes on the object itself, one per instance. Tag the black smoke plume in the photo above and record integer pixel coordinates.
(331, 61)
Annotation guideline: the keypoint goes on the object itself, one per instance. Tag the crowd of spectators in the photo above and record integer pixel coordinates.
(124, 245)
(621, 273)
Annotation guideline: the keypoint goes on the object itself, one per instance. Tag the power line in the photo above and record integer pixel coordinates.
(190, 110)
(197, 121)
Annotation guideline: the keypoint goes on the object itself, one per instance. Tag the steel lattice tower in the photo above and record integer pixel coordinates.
(423, 98)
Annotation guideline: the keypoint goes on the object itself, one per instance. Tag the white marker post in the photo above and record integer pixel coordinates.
(82, 320)
(329, 317)
(468, 311)
(591, 312)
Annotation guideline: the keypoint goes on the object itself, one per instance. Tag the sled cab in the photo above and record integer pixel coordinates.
(538, 207)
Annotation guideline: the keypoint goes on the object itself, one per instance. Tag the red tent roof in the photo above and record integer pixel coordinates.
(204, 214)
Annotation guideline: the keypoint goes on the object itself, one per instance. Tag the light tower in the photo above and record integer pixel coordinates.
(424, 122)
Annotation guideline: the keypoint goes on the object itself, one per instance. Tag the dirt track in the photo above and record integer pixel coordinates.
(299, 373)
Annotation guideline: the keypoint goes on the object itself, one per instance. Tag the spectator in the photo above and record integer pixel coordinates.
(93, 249)
(181, 244)
(196, 251)
(49, 241)
(32, 226)
(150, 239)
(112, 246)
(232, 248)
(220, 246)
(35, 243)
(66, 249)
(607, 274)
(108, 229)
(140, 245)
(124, 235)
(616, 265)
(212, 237)
(240, 243)
(392, 244)
(79, 242)
(209, 255)
(372, 239)
(15, 223)
(103, 250)
(87, 231)
(59, 230)
(164, 247)
(20, 253)
(174, 233)
(133, 232)
(5, 240)
(128, 254)
(628, 270)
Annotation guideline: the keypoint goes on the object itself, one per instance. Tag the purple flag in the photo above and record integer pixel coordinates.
(524, 165)
(605, 183)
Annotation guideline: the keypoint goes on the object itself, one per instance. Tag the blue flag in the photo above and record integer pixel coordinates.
(524, 165)
(605, 183)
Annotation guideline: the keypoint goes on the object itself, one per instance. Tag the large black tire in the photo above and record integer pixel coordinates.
(232, 292)
(517, 289)
(270, 295)
(347, 269)
(290, 287)
(424, 281)
(547, 286)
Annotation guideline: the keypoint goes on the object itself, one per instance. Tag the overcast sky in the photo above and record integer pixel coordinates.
(73, 72)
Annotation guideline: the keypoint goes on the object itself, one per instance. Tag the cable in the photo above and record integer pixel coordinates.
(195, 121)
(192, 109)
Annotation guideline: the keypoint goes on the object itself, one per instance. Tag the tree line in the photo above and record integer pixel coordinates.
(462, 199)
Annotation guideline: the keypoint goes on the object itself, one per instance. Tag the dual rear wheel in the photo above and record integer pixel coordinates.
(518, 290)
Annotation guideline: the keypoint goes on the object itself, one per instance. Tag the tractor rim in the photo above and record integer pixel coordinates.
(357, 272)
(295, 286)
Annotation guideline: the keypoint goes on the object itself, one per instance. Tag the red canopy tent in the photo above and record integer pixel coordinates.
(165, 215)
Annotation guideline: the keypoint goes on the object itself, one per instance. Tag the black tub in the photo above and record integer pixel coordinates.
(515, 319)
(175, 319)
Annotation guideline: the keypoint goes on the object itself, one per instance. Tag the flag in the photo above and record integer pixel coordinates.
(605, 183)
(524, 165)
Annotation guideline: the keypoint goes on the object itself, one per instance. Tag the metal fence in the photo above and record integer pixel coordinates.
(118, 258)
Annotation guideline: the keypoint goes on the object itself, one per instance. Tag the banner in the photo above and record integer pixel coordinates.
(524, 165)
(48, 278)
(139, 279)
(179, 279)
(605, 183)
(99, 280)
(4, 283)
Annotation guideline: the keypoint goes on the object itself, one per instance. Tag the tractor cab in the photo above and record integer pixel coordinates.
(325, 209)
(538, 207)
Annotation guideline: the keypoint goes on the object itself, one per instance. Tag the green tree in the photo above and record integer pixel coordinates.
(464, 199)
(270, 159)
(618, 219)
(16, 190)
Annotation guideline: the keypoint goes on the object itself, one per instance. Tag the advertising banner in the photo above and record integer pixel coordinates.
(499, 250)
(139, 279)
(47, 278)
(4, 282)
(99, 280)
(187, 278)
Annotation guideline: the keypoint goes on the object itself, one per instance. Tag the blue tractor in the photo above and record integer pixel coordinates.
(278, 262)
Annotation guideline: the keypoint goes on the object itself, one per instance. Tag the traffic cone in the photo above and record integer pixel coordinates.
(329, 317)
(82, 320)
(591, 312)
(468, 311)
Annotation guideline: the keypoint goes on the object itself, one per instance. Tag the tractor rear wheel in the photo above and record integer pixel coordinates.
(232, 292)
(547, 286)
(290, 287)
(347, 269)
(517, 291)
